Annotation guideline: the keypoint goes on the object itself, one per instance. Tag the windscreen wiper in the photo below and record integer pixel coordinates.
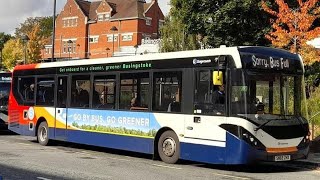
(264, 124)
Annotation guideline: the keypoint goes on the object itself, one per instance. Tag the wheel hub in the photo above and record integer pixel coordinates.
(169, 147)
(43, 134)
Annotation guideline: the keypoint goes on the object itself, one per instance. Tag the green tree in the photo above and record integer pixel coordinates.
(12, 52)
(34, 45)
(45, 27)
(175, 37)
(3, 39)
(213, 23)
(238, 22)
(38, 29)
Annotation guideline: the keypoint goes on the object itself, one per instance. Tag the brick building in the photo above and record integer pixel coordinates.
(97, 29)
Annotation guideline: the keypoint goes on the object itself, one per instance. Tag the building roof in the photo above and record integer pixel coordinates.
(122, 9)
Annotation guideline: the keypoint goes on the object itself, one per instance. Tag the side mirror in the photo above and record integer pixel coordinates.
(217, 78)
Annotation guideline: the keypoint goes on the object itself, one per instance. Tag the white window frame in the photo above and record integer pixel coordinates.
(107, 16)
(93, 39)
(109, 37)
(70, 21)
(148, 21)
(127, 37)
(100, 17)
(66, 46)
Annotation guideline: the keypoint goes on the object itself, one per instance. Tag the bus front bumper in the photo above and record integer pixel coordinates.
(263, 155)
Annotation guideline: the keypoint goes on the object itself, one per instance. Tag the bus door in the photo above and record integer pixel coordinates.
(61, 108)
(202, 127)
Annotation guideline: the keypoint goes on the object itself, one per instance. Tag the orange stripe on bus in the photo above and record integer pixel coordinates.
(282, 150)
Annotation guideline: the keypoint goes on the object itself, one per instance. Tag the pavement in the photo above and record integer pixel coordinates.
(313, 160)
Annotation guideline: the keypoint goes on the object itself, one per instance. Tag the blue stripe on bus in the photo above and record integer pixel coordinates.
(23, 130)
(129, 143)
(202, 153)
(236, 152)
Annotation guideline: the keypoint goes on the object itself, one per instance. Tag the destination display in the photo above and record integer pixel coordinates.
(255, 61)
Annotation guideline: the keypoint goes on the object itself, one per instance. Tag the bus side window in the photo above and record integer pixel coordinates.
(80, 90)
(45, 94)
(209, 98)
(134, 91)
(167, 91)
(26, 90)
(104, 92)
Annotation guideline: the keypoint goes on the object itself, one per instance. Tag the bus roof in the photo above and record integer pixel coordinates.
(233, 51)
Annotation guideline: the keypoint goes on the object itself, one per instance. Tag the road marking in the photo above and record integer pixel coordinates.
(170, 167)
(25, 144)
(118, 159)
(42, 178)
(230, 176)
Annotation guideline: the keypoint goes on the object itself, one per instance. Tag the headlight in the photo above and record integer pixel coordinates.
(252, 140)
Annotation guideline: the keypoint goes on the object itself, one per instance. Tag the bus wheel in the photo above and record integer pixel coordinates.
(43, 133)
(169, 147)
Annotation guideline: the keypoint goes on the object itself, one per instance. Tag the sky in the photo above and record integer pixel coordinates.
(15, 12)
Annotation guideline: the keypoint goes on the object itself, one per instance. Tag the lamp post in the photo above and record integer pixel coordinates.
(113, 29)
(136, 48)
(69, 47)
(25, 39)
(107, 49)
(53, 28)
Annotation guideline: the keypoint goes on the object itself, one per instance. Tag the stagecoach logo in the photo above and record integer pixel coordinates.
(197, 61)
(282, 143)
(31, 113)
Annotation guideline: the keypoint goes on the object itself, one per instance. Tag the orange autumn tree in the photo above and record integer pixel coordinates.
(292, 27)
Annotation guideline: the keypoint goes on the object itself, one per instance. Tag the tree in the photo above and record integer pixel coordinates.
(222, 22)
(27, 26)
(34, 45)
(238, 23)
(3, 39)
(38, 29)
(12, 52)
(293, 26)
(175, 38)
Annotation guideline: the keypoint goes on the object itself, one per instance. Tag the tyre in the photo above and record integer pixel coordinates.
(169, 147)
(43, 134)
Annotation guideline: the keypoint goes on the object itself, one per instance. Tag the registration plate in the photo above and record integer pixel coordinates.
(282, 158)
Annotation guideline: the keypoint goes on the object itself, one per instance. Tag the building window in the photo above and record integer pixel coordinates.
(48, 50)
(70, 22)
(69, 47)
(94, 39)
(104, 17)
(110, 38)
(107, 16)
(100, 17)
(148, 21)
(127, 37)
